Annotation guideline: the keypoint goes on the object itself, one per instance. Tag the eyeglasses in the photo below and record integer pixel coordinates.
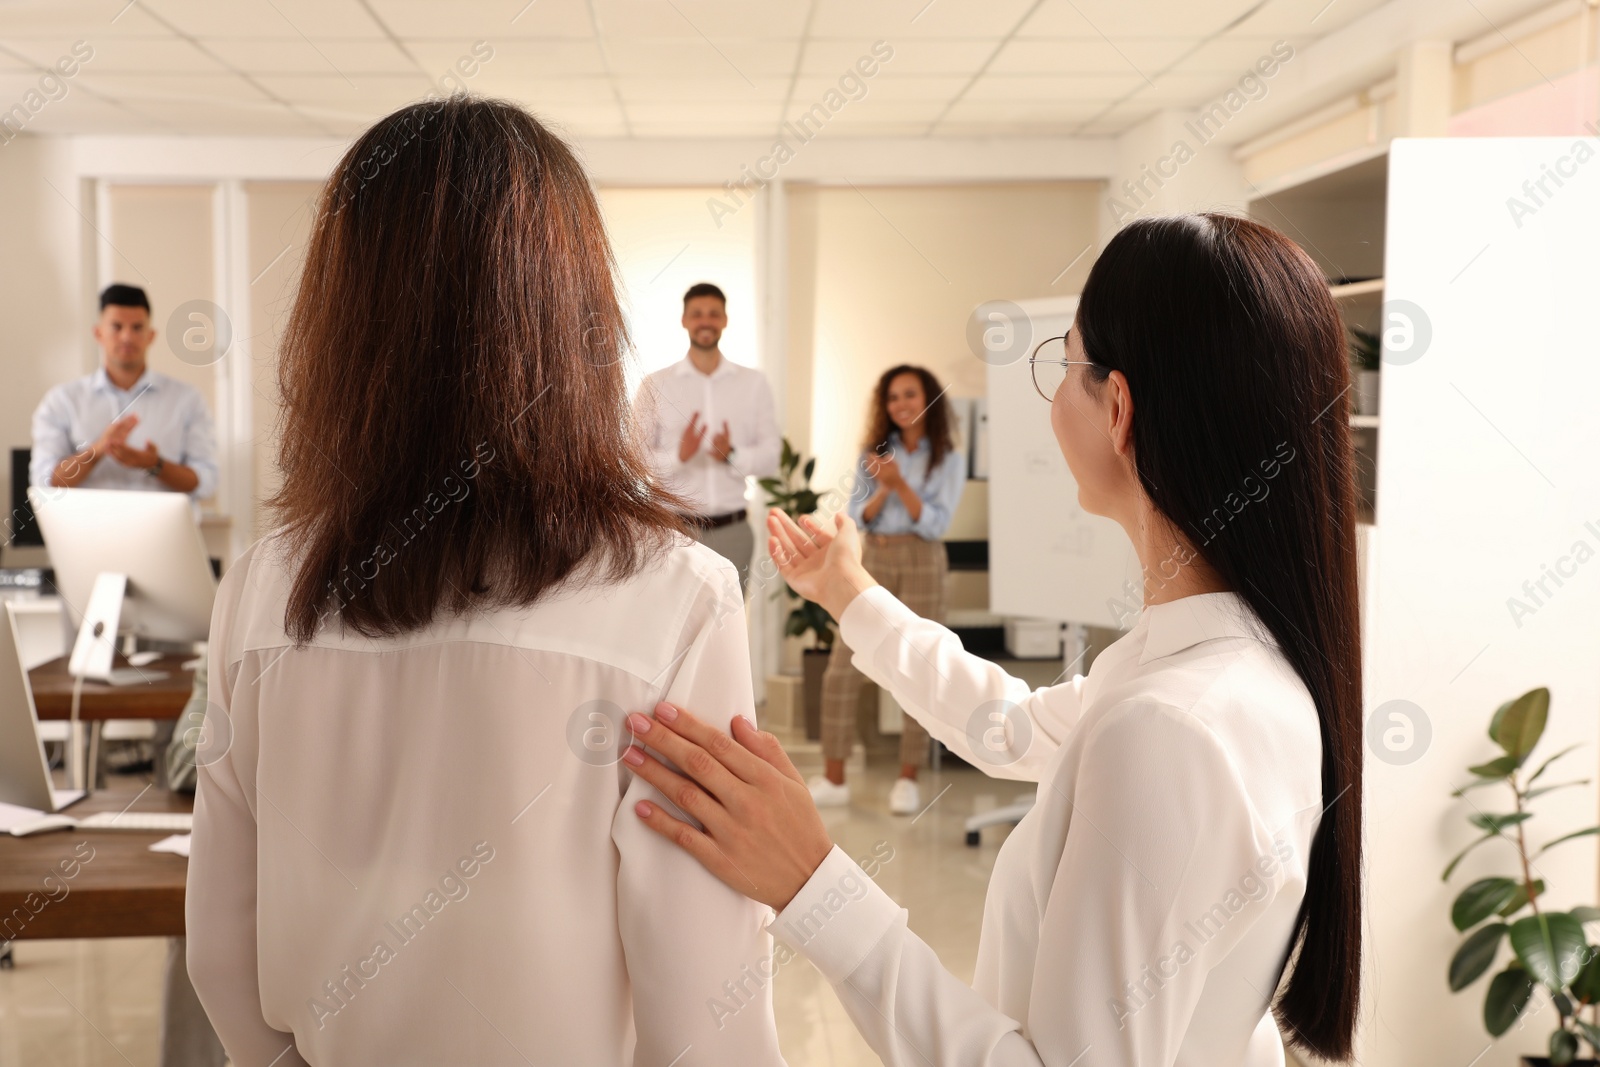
(1049, 373)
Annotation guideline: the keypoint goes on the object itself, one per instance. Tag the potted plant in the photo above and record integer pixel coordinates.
(1366, 352)
(791, 493)
(1550, 949)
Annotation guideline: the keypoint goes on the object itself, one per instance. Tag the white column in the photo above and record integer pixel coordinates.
(772, 294)
(234, 407)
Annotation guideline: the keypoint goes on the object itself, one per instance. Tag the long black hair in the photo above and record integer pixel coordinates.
(1234, 351)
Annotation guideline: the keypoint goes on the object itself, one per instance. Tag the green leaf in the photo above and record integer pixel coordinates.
(1519, 899)
(1496, 720)
(1495, 823)
(1475, 955)
(1543, 789)
(1591, 1033)
(1542, 767)
(1568, 837)
(1563, 1048)
(1584, 913)
(1550, 946)
(1563, 1004)
(1480, 900)
(1497, 768)
(1445, 877)
(1508, 995)
(1586, 987)
(1518, 725)
(809, 468)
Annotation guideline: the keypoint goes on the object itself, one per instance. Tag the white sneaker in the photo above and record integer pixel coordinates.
(904, 798)
(824, 794)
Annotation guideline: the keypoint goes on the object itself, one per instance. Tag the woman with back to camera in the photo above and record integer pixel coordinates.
(1193, 865)
(909, 480)
(419, 847)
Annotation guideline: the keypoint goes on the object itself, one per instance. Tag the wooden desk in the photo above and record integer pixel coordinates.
(119, 889)
(160, 698)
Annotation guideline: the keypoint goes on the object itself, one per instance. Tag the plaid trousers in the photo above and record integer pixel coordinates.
(913, 569)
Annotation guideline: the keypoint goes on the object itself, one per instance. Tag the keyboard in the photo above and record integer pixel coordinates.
(163, 822)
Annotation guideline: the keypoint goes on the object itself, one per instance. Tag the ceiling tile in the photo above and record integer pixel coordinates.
(270, 18)
(1302, 18)
(835, 56)
(291, 55)
(510, 84)
(489, 20)
(126, 54)
(65, 21)
(526, 59)
(705, 116)
(709, 90)
(1063, 87)
(1230, 56)
(1090, 56)
(1040, 111)
(898, 20)
(693, 18)
(333, 89)
(193, 87)
(808, 91)
(1118, 19)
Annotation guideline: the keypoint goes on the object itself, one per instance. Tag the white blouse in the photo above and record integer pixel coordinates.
(1140, 914)
(422, 849)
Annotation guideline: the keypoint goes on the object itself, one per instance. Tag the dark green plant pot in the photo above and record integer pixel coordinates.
(814, 663)
(1544, 1061)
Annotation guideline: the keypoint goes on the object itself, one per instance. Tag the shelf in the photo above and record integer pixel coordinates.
(1352, 290)
(1363, 422)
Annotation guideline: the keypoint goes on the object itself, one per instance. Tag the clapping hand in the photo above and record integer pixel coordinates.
(693, 434)
(138, 458)
(886, 469)
(722, 443)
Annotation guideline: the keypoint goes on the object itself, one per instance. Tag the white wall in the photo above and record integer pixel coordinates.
(42, 282)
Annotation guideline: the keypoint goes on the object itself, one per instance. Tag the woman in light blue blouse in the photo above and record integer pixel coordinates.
(908, 483)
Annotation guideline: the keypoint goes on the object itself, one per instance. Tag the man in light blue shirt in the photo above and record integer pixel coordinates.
(125, 426)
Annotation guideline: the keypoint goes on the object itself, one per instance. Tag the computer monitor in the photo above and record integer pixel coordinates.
(21, 529)
(152, 538)
(24, 775)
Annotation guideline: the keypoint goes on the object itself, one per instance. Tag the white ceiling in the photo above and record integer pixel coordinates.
(645, 68)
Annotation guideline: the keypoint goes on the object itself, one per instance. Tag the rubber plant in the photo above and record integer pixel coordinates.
(791, 493)
(1549, 948)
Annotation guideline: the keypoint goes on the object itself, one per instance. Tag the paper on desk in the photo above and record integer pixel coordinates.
(14, 814)
(177, 844)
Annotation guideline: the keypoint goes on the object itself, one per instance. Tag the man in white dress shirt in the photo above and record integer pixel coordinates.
(709, 424)
(124, 426)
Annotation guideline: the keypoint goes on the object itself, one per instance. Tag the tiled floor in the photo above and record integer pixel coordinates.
(96, 1003)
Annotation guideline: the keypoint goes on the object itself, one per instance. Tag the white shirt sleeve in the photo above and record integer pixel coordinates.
(699, 959)
(980, 712)
(52, 437)
(1104, 992)
(220, 901)
(200, 449)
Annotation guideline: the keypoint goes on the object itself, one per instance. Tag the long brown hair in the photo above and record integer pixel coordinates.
(455, 427)
(935, 420)
(1211, 314)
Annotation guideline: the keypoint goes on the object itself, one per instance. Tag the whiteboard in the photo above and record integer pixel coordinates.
(1048, 558)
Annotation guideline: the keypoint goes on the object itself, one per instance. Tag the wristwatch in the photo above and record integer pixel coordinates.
(155, 471)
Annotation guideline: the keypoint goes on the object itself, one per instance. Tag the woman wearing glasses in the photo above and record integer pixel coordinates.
(1192, 867)
(908, 483)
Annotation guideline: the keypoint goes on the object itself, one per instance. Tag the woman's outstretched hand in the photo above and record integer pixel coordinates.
(761, 835)
(821, 565)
